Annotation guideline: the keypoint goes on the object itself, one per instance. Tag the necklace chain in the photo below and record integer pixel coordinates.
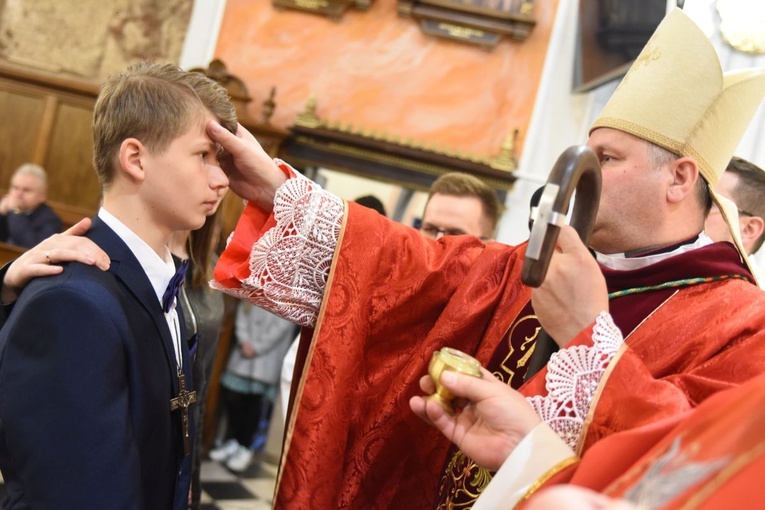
(177, 341)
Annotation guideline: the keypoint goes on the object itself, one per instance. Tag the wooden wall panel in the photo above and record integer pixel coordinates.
(71, 177)
(51, 127)
(22, 114)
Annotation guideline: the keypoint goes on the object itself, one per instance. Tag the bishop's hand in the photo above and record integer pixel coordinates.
(252, 173)
(574, 291)
(490, 424)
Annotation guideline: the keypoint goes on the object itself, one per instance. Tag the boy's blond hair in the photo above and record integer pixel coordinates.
(155, 104)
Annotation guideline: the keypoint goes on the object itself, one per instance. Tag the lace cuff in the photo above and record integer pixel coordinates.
(573, 376)
(290, 263)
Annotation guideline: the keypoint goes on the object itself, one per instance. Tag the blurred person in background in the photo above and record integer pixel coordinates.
(25, 218)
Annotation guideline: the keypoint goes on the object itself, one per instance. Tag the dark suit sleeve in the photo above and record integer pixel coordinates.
(5, 308)
(64, 401)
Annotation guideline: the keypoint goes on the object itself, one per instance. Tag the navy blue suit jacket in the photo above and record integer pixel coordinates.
(87, 371)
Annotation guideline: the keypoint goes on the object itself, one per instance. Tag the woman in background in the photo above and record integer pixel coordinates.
(249, 383)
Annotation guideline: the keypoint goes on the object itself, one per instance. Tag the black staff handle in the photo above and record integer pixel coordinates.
(576, 169)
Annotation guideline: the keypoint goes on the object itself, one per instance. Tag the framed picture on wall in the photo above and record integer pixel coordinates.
(480, 22)
(611, 34)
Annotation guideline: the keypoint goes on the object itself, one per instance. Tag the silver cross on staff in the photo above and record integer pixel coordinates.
(182, 402)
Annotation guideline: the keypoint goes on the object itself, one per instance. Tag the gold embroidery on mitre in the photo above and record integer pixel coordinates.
(650, 54)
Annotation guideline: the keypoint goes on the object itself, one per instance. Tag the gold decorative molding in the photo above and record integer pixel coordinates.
(505, 161)
(307, 117)
(333, 9)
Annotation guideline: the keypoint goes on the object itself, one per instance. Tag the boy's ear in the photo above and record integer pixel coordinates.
(131, 155)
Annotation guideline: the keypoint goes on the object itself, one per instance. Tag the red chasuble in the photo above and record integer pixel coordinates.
(394, 297)
(682, 372)
(710, 458)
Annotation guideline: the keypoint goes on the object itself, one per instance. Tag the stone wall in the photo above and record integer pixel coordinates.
(91, 39)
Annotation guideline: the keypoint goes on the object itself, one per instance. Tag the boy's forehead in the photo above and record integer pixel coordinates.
(196, 138)
(201, 118)
(199, 123)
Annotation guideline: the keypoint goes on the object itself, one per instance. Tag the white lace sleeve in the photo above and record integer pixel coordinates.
(290, 263)
(573, 375)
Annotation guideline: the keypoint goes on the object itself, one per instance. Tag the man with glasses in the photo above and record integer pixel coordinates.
(743, 183)
(460, 204)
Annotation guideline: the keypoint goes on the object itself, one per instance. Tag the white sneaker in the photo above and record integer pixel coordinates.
(240, 460)
(224, 451)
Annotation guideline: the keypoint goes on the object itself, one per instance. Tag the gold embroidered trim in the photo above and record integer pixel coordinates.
(560, 466)
(601, 385)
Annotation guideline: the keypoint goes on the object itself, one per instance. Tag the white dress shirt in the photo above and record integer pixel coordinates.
(158, 269)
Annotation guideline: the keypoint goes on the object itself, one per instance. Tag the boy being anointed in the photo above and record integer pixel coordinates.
(94, 370)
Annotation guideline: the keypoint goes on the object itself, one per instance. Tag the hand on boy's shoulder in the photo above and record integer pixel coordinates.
(45, 259)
